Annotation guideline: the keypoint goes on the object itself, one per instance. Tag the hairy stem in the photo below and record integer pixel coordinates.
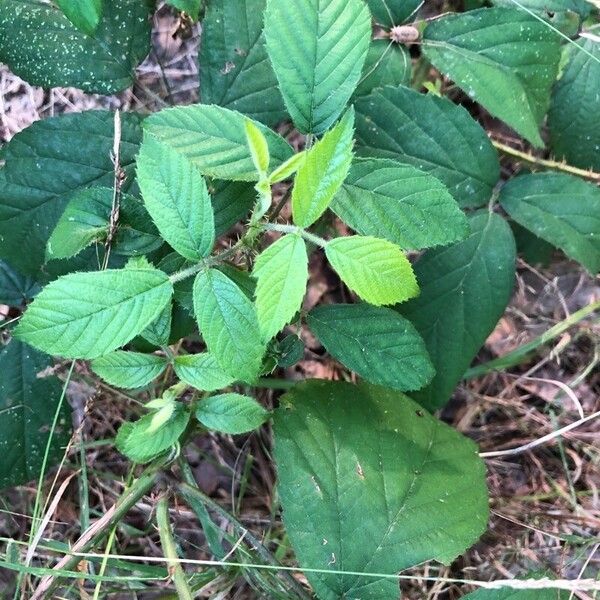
(314, 239)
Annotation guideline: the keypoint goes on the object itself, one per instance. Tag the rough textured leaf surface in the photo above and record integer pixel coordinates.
(322, 172)
(45, 164)
(28, 403)
(561, 209)
(400, 203)
(504, 58)
(465, 289)
(394, 12)
(281, 272)
(317, 49)
(235, 71)
(404, 490)
(86, 315)
(214, 139)
(201, 371)
(231, 413)
(15, 288)
(574, 132)
(129, 369)
(377, 270)
(176, 196)
(42, 46)
(229, 325)
(432, 134)
(375, 342)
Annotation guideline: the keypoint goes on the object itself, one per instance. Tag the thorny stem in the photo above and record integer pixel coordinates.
(314, 239)
(546, 163)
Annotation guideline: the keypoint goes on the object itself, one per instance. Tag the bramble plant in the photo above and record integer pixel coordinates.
(116, 245)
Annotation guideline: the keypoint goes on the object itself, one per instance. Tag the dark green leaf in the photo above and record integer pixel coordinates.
(15, 288)
(394, 12)
(191, 7)
(232, 201)
(84, 14)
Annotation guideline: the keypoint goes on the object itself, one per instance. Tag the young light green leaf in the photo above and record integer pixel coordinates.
(231, 413)
(288, 168)
(574, 134)
(33, 187)
(177, 199)
(561, 209)
(394, 12)
(465, 288)
(128, 370)
(84, 14)
(317, 49)
(504, 58)
(375, 342)
(398, 202)
(387, 64)
(28, 403)
(411, 485)
(432, 134)
(259, 148)
(87, 315)
(141, 441)
(281, 272)
(43, 47)
(322, 172)
(377, 270)
(201, 371)
(235, 70)
(214, 139)
(228, 323)
(15, 288)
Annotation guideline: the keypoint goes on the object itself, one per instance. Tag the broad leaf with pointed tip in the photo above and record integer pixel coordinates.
(201, 371)
(380, 498)
(503, 58)
(129, 369)
(231, 413)
(317, 49)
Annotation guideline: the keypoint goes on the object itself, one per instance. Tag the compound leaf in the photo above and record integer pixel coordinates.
(322, 172)
(420, 482)
(317, 49)
(432, 134)
(281, 272)
(375, 342)
(228, 323)
(176, 196)
(87, 315)
(465, 289)
(504, 58)
(377, 270)
(214, 139)
(231, 413)
(561, 209)
(129, 369)
(201, 371)
(398, 202)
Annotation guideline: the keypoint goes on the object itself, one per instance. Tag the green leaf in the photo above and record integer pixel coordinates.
(288, 168)
(232, 201)
(574, 133)
(191, 7)
(394, 12)
(375, 269)
(290, 350)
(158, 333)
(177, 199)
(432, 134)
(45, 164)
(84, 14)
(504, 58)
(129, 369)
(214, 139)
(42, 46)
(28, 403)
(513, 594)
(201, 371)
(369, 483)
(282, 273)
(387, 64)
(136, 233)
(465, 289)
(86, 315)
(561, 209)
(322, 172)
(15, 288)
(141, 441)
(231, 413)
(375, 342)
(317, 50)
(228, 323)
(234, 67)
(398, 202)
(259, 148)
